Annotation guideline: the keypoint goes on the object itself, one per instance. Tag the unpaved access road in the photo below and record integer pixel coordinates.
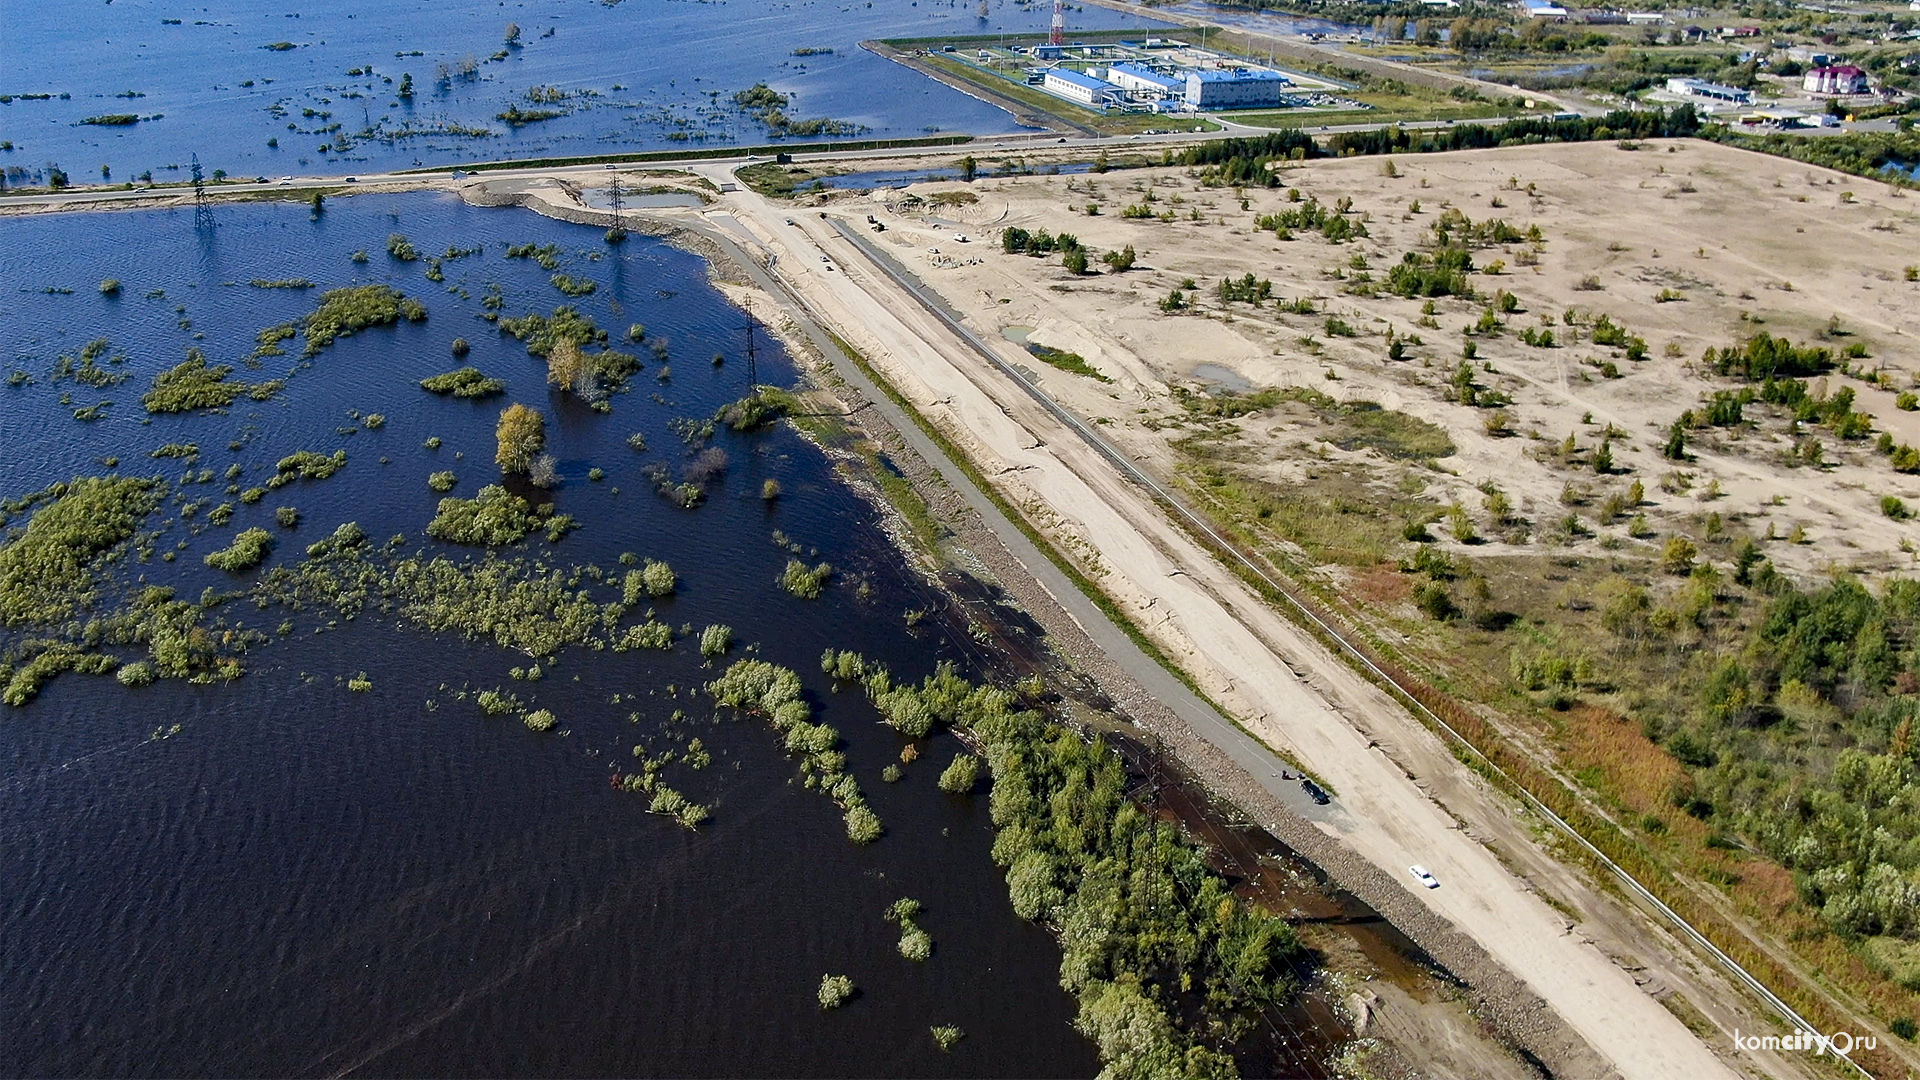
(1267, 672)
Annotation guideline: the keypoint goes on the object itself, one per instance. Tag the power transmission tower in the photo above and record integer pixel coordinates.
(753, 373)
(202, 209)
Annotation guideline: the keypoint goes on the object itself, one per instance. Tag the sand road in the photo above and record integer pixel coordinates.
(1262, 668)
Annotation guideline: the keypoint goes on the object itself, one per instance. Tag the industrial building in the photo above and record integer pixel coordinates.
(1700, 88)
(1840, 79)
(1142, 80)
(1085, 89)
(1236, 89)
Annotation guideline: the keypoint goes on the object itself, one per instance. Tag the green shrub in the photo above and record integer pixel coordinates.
(805, 582)
(354, 308)
(246, 552)
(960, 777)
(834, 991)
(654, 578)
(286, 517)
(715, 639)
(466, 382)
(539, 720)
(1894, 507)
(495, 516)
(138, 673)
(442, 481)
(863, 825)
(496, 703)
(945, 1035)
(46, 572)
(192, 384)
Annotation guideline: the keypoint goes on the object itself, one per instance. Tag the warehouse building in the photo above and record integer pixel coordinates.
(1144, 81)
(1084, 89)
(1236, 89)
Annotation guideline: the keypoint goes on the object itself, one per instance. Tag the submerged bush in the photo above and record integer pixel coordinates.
(443, 481)
(466, 382)
(539, 720)
(138, 673)
(805, 582)
(356, 307)
(960, 776)
(246, 552)
(715, 639)
(496, 703)
(495, 516)
(834, 991)
(46, 572)
(654, 578)
(192, 384)
(520, 434)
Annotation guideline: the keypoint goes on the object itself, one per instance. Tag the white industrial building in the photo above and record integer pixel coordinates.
(1084, 89)
(1700, 88)
(1140, 79)
(1236, 89)
(1840, 79)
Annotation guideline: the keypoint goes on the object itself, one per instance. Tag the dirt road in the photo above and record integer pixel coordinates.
(1261, 667)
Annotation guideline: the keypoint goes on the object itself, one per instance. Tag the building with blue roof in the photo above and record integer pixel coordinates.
(1084, 89)
(1237, 88)
(1143, 80)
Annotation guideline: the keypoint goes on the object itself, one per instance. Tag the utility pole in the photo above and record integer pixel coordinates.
(202, 209)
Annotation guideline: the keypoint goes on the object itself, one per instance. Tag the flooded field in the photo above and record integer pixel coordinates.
(361, 86)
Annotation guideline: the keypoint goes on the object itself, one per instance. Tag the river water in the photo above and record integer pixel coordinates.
(306, 880)
(635, 74)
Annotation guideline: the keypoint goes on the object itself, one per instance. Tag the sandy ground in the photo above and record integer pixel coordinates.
(1251, 659)
(1751, 243)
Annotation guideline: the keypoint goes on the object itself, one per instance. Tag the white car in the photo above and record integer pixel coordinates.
(1421, 875)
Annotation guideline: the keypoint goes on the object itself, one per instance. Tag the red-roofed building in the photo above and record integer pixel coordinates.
(1839, 79)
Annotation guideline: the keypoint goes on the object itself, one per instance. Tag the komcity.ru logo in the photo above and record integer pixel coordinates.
(1840, 1042)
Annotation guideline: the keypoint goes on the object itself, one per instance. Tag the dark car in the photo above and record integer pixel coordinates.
(1315, 792)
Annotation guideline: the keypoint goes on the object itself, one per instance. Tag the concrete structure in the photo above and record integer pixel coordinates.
(1242, 89)
(1841, 79)
(1700, 88)
(1084, 89)
(1143, 80)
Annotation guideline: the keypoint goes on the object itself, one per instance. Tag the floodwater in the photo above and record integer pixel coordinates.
(305, 880)
(624, 75)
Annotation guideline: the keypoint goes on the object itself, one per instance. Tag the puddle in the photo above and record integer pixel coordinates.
(1222, 377)
(1016, 334)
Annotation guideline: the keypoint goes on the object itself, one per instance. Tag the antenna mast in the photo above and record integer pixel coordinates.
(1058, 35)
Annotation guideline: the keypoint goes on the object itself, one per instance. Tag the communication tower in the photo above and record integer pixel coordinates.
(1058, 35)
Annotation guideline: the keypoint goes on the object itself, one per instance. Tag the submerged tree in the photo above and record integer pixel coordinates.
(522, 434)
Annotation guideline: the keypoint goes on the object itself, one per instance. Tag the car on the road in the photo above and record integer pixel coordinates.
(351, 179)
(1315, 792)
(1421, 875)
(789, 221)
(259, 179)
(286, 179)
(608, 165)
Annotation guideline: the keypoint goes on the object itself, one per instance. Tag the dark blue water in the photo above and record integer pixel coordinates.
(639, 75)
(310, 881)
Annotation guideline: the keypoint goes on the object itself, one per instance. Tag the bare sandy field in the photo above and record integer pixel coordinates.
(1736, 243)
